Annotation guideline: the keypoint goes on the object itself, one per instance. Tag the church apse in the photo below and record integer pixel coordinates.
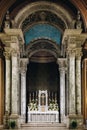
(42, 77)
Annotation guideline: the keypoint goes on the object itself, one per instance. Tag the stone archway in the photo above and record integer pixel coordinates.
(72, 42)
(47, 54)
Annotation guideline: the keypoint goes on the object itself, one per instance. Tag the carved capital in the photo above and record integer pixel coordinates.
(71, 52)
(62, 64)
(23, 65)
(78, 53)
(7, 53)
(14, 52)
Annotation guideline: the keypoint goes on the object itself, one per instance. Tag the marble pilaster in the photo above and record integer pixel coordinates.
(72, 106)
(14, 102)
(78, 81)
(23, 69)
(8, 80)
(62, 69)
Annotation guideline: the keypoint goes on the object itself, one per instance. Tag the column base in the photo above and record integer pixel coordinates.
(14, 121)
(74, 121)
(63, 118)
(6, 121)
(23, 119)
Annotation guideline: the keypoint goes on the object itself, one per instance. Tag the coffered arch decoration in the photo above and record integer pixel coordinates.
(43, 45)
(30, 10)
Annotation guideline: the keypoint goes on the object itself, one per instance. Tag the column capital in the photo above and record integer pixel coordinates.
(14, 52)
(78, 53)
(62, 63)
(71, 52)
(7, 52)
(23, 64)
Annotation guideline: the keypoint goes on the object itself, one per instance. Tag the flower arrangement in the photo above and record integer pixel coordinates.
(33, 105)
(53, 106)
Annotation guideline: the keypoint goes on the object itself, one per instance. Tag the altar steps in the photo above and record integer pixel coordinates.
(43, 125)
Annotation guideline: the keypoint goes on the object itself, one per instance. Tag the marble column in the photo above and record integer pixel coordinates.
(62, 69)
(78, 82)
(1, 85)
(14, 100)
(7, 81)
(72, 102)
(23, 69)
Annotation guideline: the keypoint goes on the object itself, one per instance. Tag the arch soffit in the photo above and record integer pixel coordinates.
(55, 51)
(39, 6)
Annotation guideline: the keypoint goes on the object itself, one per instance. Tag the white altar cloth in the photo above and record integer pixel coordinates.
(49, 116)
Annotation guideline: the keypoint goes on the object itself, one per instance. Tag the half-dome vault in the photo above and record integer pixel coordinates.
(44, 31)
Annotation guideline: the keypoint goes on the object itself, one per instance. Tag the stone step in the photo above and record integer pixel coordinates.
(45, 124)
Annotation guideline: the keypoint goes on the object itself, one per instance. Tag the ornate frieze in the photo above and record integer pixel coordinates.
(42, 16)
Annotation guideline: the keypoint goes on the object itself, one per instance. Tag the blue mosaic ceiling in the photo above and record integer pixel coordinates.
(44, 31)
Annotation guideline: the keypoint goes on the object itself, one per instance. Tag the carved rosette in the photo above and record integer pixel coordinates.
(23, 65)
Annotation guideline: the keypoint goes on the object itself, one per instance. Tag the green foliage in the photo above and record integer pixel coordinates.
(12, 124)
(73, 124)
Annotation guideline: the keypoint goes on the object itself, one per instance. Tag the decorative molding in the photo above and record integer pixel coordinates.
(62, 64)
(14, 52)
(42, 17)
(61, 12)
(71, 52)
(78, 53)
(7, 53)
